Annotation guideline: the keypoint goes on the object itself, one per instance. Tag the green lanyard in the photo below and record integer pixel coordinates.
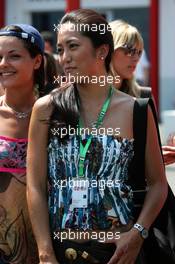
(84, 149)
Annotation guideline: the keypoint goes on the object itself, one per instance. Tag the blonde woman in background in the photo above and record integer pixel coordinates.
(128, 48)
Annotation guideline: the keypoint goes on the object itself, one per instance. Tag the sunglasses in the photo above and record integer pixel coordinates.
(129, 51)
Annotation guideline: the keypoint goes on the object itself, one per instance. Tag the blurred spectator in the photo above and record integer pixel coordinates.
(142, 70)
(48, 41)
(53, 67)
(51, 72)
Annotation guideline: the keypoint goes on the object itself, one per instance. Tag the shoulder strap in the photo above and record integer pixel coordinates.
(145, 92)
(139, 132)
(137, 168)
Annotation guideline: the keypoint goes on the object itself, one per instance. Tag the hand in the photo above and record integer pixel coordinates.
(171, 139)
(168, 154)
(127, 247)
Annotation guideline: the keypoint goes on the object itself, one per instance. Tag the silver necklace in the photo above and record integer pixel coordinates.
(19, 115)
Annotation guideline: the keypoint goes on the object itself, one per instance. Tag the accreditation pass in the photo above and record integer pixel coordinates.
(80, 193)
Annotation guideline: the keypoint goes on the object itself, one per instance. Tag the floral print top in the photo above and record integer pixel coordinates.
(107, 161)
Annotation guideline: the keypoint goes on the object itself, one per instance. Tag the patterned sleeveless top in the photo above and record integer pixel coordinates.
(107, 160)
(13, 155)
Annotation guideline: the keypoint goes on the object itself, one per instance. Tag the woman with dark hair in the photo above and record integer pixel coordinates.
(79, 192)
(22, 77)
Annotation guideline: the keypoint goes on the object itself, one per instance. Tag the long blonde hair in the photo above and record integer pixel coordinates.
(126, 34)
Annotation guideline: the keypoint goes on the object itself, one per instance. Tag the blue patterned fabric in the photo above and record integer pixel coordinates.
(106, 162)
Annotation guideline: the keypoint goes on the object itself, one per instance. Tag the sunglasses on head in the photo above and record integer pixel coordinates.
(129, 51)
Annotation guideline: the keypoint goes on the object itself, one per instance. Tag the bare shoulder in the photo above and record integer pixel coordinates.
(43, 107)
(124, 101)
(122, 112)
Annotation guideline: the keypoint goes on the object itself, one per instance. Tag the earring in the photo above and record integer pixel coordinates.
(102, 58)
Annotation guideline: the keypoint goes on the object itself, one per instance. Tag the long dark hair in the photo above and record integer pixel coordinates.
(33, 51)
(66, 99)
